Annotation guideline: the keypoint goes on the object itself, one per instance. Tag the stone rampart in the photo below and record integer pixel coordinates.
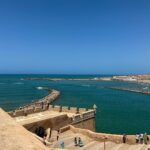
(78, 117)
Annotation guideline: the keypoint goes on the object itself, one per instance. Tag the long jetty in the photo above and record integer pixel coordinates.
(130, 90)
(52, 96)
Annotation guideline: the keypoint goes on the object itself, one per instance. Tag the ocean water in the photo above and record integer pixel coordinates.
(118, 111)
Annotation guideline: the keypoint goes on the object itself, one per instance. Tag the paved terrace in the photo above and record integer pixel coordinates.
(95, 141)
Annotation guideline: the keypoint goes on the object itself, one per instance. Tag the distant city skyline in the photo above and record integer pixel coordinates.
(74, 37)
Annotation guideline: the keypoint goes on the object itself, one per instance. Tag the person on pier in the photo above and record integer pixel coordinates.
(124, 138)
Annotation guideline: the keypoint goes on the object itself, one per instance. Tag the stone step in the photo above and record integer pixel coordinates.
(68, 141)
(94, 145)
(108, 145)
(124, 147)
(89, 144)
(66, 134)
(71, 146)
(136, 147)
(144, 147)
(117, 147)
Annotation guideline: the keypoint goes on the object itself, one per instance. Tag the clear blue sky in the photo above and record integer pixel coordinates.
(75, 36)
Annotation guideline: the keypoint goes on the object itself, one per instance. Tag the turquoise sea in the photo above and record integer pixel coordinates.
(118, 111)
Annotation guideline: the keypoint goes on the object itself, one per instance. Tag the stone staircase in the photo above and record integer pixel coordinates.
(89, 144)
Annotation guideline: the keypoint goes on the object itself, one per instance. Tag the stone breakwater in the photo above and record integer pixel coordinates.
(36, 106)
(52, 96)
(59, 79)
(130, 90)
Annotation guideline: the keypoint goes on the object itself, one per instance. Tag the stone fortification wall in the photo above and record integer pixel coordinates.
(82, 112)
(85, 120)
(86, 124)
(81, 117)
(103, 136)
(54, 123)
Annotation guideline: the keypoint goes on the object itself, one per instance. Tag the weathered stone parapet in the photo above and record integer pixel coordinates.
(29, 111)
(37, 109)
(81, 110)
(76, 119)
(83, 116)
(73, 110)
(57, 108)
(65, 109)
(88, 114)
(18, 113)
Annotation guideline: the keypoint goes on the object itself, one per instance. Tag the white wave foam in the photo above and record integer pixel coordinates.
(40, 88)
(145, 88)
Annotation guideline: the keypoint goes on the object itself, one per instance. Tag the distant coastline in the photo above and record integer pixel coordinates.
(129, 78)
(73, 79)
(145, 79)
(139, 79)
